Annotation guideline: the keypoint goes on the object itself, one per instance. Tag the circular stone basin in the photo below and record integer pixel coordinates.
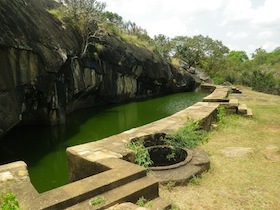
(164, 157)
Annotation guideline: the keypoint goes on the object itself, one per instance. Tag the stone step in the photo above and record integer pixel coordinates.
(84, 189)
(233, 102)
(159, 204)
(249, 113)
(235, 90)
(130, 192)
(220, 94)
(232, 106)
(242, 109)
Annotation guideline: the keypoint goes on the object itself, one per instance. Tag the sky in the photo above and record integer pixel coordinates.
(240, 24)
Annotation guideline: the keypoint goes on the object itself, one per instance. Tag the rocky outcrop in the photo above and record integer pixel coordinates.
(42, 77)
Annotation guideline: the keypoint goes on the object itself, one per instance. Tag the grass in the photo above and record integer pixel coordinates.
(248, 182)
(8, 201)
(134, 39)
(97, 201)
(141, 201)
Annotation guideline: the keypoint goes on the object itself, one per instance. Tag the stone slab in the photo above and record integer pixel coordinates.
(220, 94)
(242, 109)
(236, 151)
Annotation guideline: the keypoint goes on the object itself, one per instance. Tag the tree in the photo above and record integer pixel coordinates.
(87, 15)
(199, 51)
(260, 56)
(162, 45)
(238, 56)
(274, 57)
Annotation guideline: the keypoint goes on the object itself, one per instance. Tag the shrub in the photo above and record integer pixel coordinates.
(189, 136)
(142, 154)
(221, 114)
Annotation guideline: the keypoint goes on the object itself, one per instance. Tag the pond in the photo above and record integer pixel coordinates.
(43, 147)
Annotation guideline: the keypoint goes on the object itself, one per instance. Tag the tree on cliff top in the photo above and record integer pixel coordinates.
(87, 16)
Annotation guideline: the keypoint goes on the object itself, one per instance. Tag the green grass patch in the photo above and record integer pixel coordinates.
(8, 201)
(189, 136)
(97, 201)
(141, 201)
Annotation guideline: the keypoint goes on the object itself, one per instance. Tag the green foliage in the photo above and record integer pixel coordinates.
(8, 201)
(264, 81)
(218, 80)
(198, 50)
(221, 114)
(174, 207)
(171, 156)
(97, 201)
(175, 61)
(141, 201)
(189, 136)
(58, 13)
(195, 180)
(162, 45)
(170, 185)
(142, 154)
(238, 56)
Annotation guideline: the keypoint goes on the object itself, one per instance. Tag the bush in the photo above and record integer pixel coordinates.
(142, 154)
(189, 136)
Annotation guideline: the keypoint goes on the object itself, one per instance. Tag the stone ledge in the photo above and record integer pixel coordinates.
(220, 94)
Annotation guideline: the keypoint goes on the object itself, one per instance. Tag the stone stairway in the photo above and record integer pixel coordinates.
(144, 187)
(234, 107)
(235, 90)
(220, 95)
(122, 182)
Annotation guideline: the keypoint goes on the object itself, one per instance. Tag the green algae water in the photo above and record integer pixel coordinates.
(43, 147)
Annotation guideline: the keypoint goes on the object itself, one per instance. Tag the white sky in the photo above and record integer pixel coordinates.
(239, 24)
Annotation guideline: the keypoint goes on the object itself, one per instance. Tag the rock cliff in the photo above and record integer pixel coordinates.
(42, 77)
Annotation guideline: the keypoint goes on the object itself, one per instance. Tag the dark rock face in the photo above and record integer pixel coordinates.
(42, 77)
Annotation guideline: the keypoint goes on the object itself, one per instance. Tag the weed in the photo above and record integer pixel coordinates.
(221, 114)
(170, 185)
(8, 201)
(171, 156)
(195, 180)
(141, 201)
(142, 154)
(188, 136)
(174, 207)
(97, 201)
